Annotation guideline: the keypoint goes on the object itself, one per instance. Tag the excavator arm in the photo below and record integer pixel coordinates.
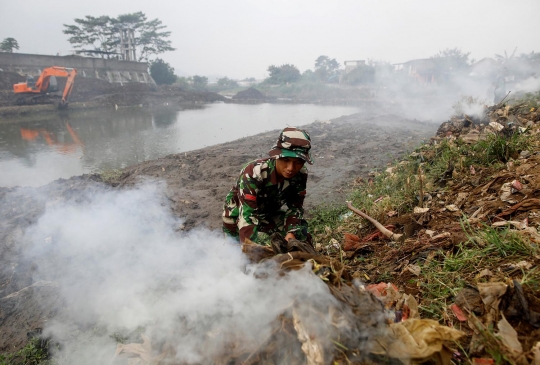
(69, 86)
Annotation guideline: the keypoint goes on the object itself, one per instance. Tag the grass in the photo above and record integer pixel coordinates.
(35, 352)
(110, 176)
(398, 189)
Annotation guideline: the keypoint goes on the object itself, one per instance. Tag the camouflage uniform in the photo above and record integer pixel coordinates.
(253, 207)
(254, 204)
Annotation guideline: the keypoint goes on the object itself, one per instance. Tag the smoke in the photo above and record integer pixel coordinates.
(422, 90)
(123, 269)
(529, 85)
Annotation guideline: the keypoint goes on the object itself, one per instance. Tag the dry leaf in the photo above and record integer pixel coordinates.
(491, 294)
(414, 339)
(535, 350)
(414, 269)
(312, 349)
(509, 336)
(452, 208)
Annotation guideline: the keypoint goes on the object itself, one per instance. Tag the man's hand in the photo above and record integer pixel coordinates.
(289, 235)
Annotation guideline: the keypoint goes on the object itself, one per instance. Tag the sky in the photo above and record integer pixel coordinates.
(241, 38)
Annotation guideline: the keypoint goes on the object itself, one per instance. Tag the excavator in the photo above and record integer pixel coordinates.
(43, 90)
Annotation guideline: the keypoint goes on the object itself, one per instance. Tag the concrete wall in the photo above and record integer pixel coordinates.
(110, 70)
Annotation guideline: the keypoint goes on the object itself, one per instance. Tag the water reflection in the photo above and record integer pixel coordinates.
(62, 144)
(37, 152)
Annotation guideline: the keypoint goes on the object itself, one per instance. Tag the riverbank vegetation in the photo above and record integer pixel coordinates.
(466, 204)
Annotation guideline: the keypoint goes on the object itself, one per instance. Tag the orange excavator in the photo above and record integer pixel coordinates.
(32, 91)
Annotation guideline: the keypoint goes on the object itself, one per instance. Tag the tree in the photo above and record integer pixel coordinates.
(94, 32)
(283, 74)
(200, 82)
(9, 44)
(226, 82)
(362, 74)
(149, 35)
(103, 34)
(162, 72)
(451, 59)
(326, 68)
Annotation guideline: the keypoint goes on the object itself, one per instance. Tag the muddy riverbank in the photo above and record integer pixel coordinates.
(196, 182)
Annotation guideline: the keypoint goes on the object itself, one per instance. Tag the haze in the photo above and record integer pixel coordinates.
(240, 38)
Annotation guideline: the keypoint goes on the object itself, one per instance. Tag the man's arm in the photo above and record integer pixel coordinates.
(295, 205)
(248, 219)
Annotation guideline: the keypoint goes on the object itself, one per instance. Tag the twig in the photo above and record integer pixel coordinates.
(388, 233)
(421, 181)
(499, 103)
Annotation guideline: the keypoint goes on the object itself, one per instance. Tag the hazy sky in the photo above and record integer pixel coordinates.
(241, 38)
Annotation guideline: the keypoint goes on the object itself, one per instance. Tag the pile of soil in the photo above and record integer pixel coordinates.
(8, 79)
(249, 94)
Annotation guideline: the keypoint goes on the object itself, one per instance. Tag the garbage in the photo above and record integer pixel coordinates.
(415, 339)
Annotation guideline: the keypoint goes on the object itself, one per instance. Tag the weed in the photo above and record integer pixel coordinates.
(500, 148)
(110, 176)
(33, 353)
(326, 216)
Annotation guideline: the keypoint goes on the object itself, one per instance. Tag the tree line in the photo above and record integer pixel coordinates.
(102, 34)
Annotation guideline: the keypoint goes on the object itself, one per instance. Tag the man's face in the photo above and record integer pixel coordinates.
(287, 167)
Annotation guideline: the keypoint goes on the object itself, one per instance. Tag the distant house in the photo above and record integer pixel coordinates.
(351, 65)
(424, 70)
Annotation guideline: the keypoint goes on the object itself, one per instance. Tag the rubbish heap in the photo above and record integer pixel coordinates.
(465, 211)
(369, 323)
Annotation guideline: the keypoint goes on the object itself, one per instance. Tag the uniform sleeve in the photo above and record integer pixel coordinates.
(295, 203)
(248, 219)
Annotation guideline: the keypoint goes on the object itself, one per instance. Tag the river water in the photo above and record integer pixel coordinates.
(33, 153)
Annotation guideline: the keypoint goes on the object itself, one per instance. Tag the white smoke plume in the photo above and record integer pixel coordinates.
(123, 269)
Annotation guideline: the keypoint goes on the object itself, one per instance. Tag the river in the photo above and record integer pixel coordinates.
(34, 153)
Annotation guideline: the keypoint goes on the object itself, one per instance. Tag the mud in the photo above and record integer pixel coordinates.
(343, 149)
(197, 182)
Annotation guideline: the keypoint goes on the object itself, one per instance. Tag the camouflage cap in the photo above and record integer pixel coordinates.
(293, 142)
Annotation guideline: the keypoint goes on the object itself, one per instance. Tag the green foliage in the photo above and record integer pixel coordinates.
(34, 353)
(183, 82)
(162, 72)
(451, 59)
(326, 216)
(225, 82)
(103, 34)
(95, 32)
(199, 82)
(283, 74)
(500, 148)
(110, 176)
(492, 150)
(362, 74)
(327, 69)
(8, 45)
(533, 56)
(310, 88)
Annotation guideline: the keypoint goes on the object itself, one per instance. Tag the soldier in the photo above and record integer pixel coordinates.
(253, 207)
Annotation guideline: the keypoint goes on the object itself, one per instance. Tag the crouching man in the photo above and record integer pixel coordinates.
(268, 196)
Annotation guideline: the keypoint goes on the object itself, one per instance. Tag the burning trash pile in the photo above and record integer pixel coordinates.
(367, 323)
(457, 231)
